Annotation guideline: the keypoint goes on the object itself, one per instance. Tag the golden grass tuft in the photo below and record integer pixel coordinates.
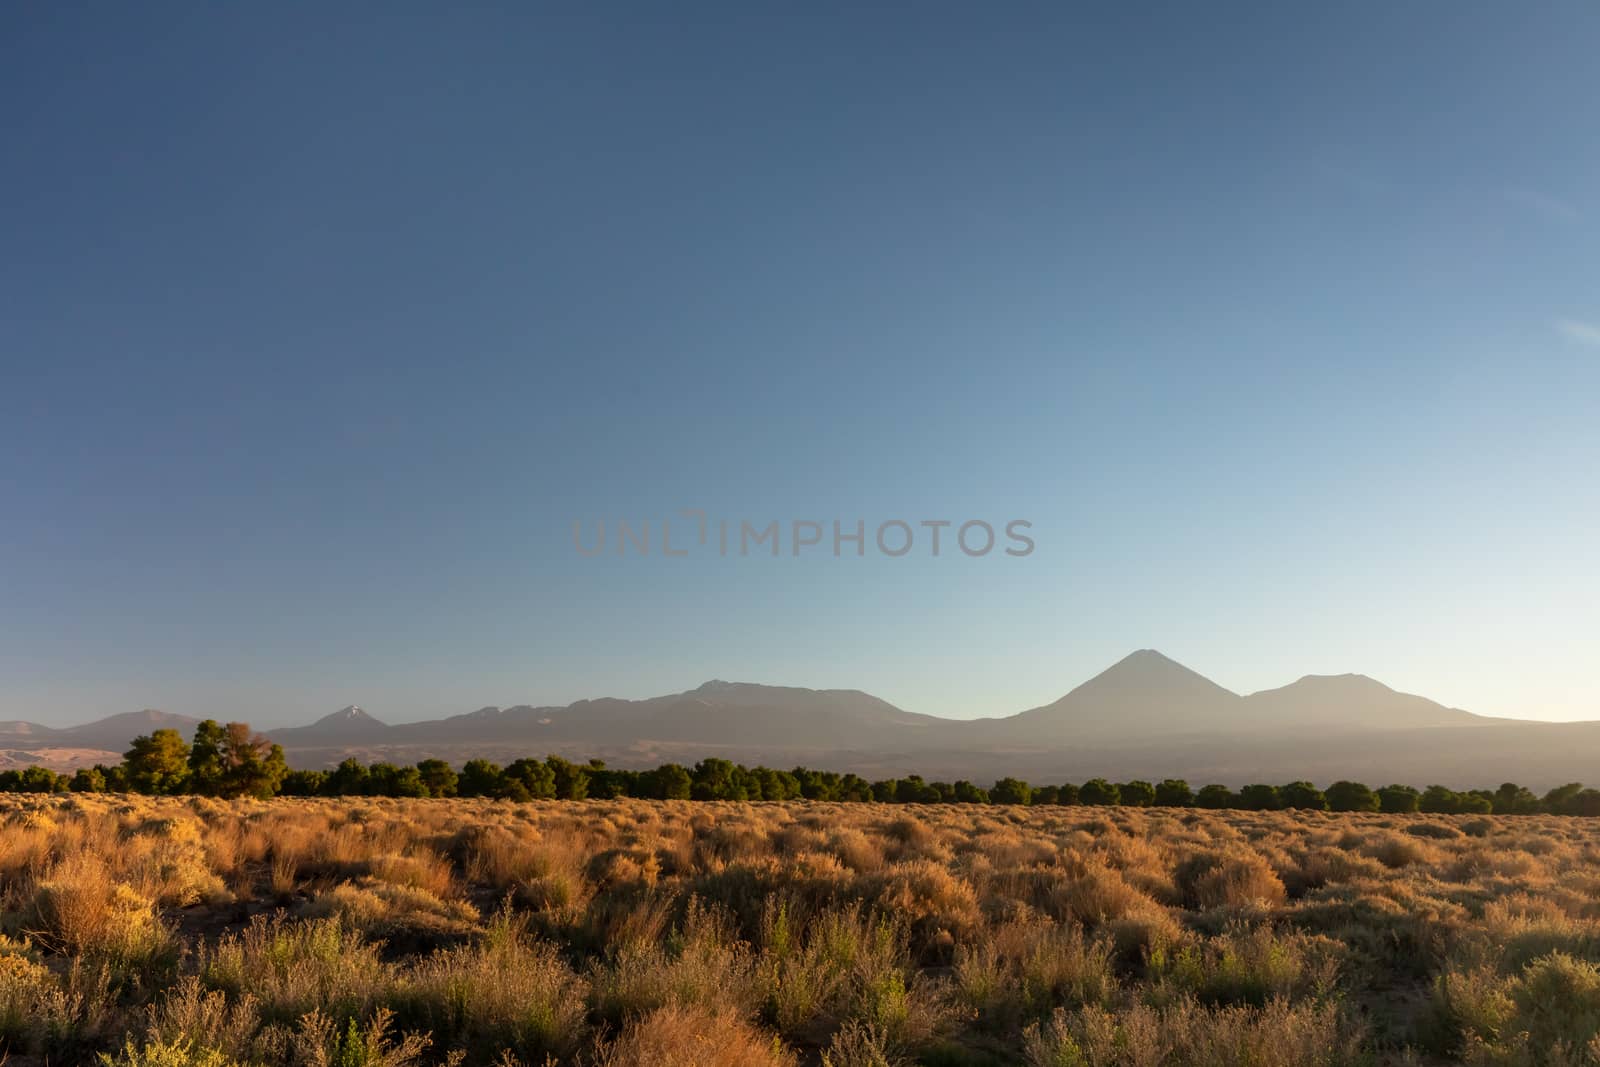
(682, 1035)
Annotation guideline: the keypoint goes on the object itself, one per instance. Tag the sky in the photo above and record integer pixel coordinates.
(321, 325)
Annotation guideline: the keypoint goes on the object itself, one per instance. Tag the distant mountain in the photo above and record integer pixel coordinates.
(1147, 694)
(1349, 702)
(347, 725)
(716, 713)
(1146, 716)
(1142, 694)
(116, 731)
(17, 728)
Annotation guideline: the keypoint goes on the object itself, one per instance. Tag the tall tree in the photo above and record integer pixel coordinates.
(670, 781)
(1174, 793)
(538, 778)
(480, 778)
(205, 758)
(1011, 791)
(157, 762)
(349, 779)
(1099, 792)
(1302, 795)
(1513, 799)
(1351, 796)
(1137, 794)
(1398, 798)
(1259, 797)
(438, 776)
(37, 779)
(88, 780)
(572, 781)
(252, 765)
(714, 779)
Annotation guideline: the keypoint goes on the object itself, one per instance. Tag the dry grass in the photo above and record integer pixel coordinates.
(142, 931)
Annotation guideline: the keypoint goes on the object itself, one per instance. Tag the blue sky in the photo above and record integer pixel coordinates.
(319, 328)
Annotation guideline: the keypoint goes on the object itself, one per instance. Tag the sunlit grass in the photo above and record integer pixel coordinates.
(193, 931)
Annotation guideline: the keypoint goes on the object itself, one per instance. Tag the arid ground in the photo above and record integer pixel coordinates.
(188, 931)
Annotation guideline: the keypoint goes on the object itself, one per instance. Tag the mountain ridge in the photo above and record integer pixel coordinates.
(1146, 713)
(1113, 680)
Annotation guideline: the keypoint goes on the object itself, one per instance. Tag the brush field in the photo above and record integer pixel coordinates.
(193, 932)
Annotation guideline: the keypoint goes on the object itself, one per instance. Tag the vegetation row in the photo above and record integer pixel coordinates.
(234, 761)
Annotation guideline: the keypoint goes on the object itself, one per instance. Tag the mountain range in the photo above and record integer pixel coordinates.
(1145, 716)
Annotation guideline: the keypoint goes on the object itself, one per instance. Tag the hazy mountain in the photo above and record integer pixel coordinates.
(17, 728)
(716, 713)
(1141, 694)
(1349, 702)
(116, 731)
(1148, 695)
(347, 725)
(1145, 716)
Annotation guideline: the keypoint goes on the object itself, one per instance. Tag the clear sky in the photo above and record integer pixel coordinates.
(321, 324)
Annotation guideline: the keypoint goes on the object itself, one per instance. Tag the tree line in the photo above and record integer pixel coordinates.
(232, 760)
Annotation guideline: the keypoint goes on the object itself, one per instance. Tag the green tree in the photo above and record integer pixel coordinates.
(158, 762)
(37, 779)
(252, 766)
(1098, 792)
(381, 779)
(438, 776)
(817, 785)
(913, 790)
(1174, 793)
(1346, 795)
(205, 758)
(88, 780)
(1302, 796)
(407, 782)
(1586, 802)
(1397, 799)
(1259, 797)
(572, 781)
(116, 777)
(671, 781)
(1513, 799)
(304, 784)
(852, 788)
(480, 778)
(777, 785)
(1216, 797)
(1439, 800)
(1137, 794)
(349, 779)
(1561, 799)
(967, 793)
(1011, 791)
(613, 784)
(538, 778)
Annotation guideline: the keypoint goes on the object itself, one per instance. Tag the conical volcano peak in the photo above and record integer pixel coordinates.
(1147, 667)
(350, 717)
(349, 713)
(1144, 692)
